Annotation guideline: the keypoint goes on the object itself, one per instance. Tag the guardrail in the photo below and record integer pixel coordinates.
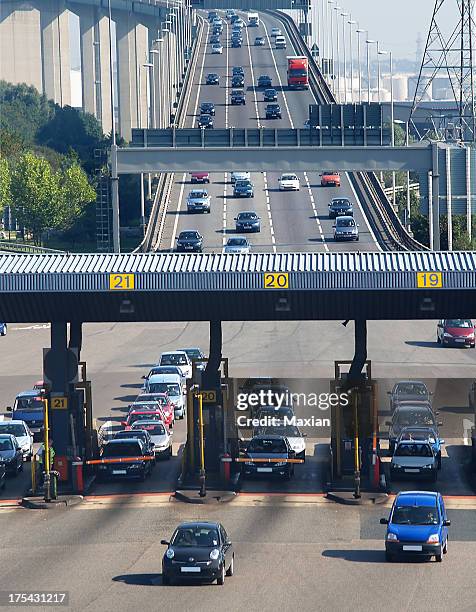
(390, 232)
(159, 208)
(18, 247)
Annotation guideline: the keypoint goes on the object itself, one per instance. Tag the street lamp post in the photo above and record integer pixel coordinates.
(344, 15)
(330, 40)
(116, 235)
(351, 23)
(359, 32)
(368, 43)
(337, 9)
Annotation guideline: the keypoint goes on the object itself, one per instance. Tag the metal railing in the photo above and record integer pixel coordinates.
(390, 232)
(19, 247)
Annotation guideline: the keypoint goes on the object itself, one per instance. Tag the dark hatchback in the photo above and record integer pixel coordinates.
(268, 456)
(199, 551)
(339, 207)
(264, 81)
(131, 460)
(273, 111)
(237, 70)
(11, 454)
(138, 434)
(247, 221)
(238, 80)
(212, 79)
(236, 43)
(205, 121)
(237, 96)
(214, 39)
(270, 95)
(190, 240)
(243, 189)
(207, 108)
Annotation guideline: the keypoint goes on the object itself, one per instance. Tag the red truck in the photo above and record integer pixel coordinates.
(298, 72)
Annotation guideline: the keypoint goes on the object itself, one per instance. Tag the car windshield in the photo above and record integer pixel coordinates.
(154, 430)
(236, 242)
(143, 417)
(329, 174)
(414, 417)
(164, 370)
(288, 177)
(201, 537)
(411, 389)
(137, 435)
(187, 236)
(16, 429)
(346, 223)
(289, 431)
(267, 445)
(125, 449)
(340, 203)
(244, 183)
(193, 353)
(415, 515)
(297, 72)
(247, 216)
(465, 323)
(173, 359)
(28, 403)
(278, 413)
(198, 194)
(163, 387)
(413, 450)
(6, 444)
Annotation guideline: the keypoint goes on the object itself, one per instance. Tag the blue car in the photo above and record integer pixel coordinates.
(418, 526)
(3, 329)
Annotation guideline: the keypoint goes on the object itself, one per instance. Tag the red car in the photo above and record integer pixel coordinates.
(455, 332)
(200, 177)
(330, 179)
(165, 405)
(143, 415)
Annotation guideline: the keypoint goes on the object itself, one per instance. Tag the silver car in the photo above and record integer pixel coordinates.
(160, 435)
(408, 391)
(198, 200)
(237, 244)
(414, 459)
(346, 228)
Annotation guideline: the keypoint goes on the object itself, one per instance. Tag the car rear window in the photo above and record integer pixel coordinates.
(125, 449)
(413, 450)
(267, 445)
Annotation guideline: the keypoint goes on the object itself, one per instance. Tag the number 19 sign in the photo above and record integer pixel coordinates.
(429, 280)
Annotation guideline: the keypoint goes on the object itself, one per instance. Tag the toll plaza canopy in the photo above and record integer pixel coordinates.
(215, 286)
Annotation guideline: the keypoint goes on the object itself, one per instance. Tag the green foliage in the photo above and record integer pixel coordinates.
(76, 192)
(5, 184)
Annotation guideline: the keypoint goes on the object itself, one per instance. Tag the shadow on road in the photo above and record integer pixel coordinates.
(140, 579)
(421, 343)
(358, 556)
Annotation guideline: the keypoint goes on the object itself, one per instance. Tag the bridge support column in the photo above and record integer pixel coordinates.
(132, 52)
(56, 61)
(20, 61)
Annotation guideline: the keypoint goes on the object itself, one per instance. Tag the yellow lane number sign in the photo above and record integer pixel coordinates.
(59, 402)
(121, 282)
(429, 280)
(209, 397)
(276, 280)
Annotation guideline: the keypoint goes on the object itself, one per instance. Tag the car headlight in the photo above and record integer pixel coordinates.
(428, 466)
(248, 463)
(134, 466)
(433, 539)
(169, 553)
(103, 467)
(280, 463)
(447, 335)
(392, 537)
(214, 554)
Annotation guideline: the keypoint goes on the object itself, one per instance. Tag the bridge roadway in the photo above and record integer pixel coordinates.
(296, 221)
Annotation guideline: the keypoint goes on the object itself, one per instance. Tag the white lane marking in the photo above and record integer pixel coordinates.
(314, 210)
(278, 75)
(270, 217)
(224, 209)
(225, 179)
(39, 326)
(182, 187)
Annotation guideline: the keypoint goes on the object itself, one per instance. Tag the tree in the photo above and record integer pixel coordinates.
(5, 184)
(76, 193)
(36, 195)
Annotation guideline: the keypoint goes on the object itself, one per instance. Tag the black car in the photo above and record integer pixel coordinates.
(237, 70)
(247, 221)
(138, 434)
(270, 95)
(198, 551)
(243, 189)
(264, 81)
(259, 41)
(237, 96)
(238, 80)
(339, 207)
(131, 460)
(214, 39)
(190, 240)
(207, 108)
(236, 43)
(212, 79)
(273, 111)
(217, 30)
(265, 447)
(11, 454)
(205, 121)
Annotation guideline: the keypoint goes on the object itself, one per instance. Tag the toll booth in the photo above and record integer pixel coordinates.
(354, 430)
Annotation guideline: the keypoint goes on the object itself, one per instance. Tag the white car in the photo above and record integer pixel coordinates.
(22, 433)
(288, 182)
(292, 433)
(237, 244)
(240, 176)
(170, 384)
(160, 435)
(177, 358)
(275, 32)
(217, 48)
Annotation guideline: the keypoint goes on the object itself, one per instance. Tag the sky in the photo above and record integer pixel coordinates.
(395, 23)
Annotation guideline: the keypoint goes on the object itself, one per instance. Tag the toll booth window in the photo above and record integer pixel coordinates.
(122, 450)
(415, 515)
(265, 445)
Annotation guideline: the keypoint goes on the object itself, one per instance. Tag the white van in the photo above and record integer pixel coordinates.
(172, 385)
(280, 42)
